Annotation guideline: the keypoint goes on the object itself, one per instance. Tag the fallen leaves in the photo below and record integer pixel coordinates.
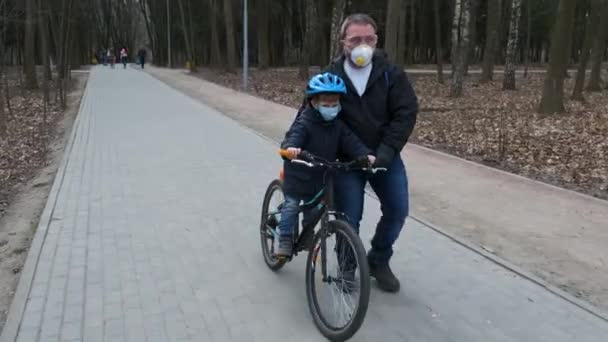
(498, 128)
(23, 150)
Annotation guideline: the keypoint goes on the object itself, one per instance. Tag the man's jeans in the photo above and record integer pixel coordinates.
(392, 190)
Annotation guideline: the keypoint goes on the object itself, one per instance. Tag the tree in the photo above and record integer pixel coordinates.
(455, 33)
(411, 51)
(401, 39)
(511, 57)
(461, 48)
(337, 16)
(216, 57)
(492, 38)
(44, 52)
(597, 53)
(391, 32)
(29, 63)
(473, 10)
(553, 90)
(263, 33)
(593, 23)
(187, 39)
(438, 49)
(230, 37)
(528, 36)
(308, 50)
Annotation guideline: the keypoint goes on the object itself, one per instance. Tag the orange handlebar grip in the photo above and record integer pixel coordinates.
(285, 153)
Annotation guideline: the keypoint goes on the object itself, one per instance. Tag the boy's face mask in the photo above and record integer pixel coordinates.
(328, 112)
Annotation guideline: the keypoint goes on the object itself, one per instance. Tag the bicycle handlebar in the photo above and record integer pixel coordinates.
(310, 160)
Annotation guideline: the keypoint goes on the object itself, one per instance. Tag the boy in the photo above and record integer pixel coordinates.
(317, 131)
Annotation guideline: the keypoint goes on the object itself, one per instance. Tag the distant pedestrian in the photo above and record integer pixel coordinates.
(141, 54)
(123, 57)
(111, 57)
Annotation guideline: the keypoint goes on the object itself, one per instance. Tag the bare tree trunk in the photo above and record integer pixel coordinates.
(462, 49)
(411, 51)
(263, 29)
(191, 30)
(3, 115)
(311, 29)
(455, 34)
(337, 16)
(511, 58)
(473, 12)
(592, 25)
(438, 49)
(230, 37)
(492, 38)
(215, 53)
(144, 12)
(29, 63)
(401, 37)
(44, 53)
(391, 33)
(553, 91)
(187, 39)
(597, 54)
(528, 36)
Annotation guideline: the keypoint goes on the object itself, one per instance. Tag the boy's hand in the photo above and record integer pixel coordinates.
(293, 152)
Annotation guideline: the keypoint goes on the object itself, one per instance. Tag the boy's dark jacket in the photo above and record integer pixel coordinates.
(324, 139)
(385, 115)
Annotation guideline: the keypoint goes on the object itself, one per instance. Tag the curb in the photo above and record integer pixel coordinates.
(595, 311)
(17, 308)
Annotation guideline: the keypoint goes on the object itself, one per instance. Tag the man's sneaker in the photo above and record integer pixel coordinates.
(384, 276)
(285, 246)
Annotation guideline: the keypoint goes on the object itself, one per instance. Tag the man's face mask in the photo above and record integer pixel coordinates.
(359, 44)
(362, 55)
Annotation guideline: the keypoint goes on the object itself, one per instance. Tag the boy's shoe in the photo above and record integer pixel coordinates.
(285, 246)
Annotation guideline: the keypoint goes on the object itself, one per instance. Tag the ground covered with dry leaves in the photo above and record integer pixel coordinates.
(487, 125)
(23, 148)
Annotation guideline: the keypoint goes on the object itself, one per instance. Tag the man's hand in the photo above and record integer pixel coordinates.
(371, 159)
(384, 156)
(293, 152)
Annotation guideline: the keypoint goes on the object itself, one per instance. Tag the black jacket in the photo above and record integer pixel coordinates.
(325, 139)
(386, 113)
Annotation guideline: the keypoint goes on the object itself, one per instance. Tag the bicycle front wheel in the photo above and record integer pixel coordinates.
(339, 298)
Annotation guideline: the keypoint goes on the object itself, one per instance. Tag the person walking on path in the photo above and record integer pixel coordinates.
(141, 54)
(380, 106)
(111, 58)
(123, 57)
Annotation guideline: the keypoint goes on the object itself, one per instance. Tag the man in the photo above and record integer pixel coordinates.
(380, 107)
(142, 56)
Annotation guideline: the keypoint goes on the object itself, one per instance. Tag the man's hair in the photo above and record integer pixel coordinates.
(357, 18)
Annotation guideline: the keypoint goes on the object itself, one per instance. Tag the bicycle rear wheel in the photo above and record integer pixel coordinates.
(338, 302)
(269, 225)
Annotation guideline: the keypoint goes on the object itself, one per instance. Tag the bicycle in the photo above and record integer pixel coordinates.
(349, 276)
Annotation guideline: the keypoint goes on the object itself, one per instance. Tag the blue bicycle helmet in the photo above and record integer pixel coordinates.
(325, 83)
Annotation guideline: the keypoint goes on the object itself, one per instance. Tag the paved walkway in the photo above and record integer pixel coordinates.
(152, 236)
(556, 234)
